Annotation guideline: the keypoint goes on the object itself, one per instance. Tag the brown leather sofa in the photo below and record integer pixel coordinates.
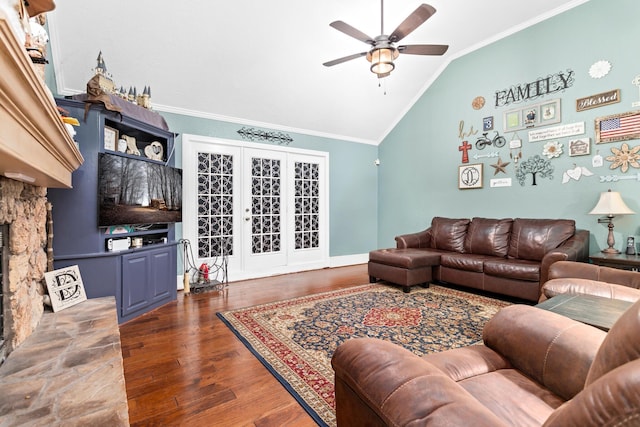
(535, 368)
(505, 256)
(566, 277)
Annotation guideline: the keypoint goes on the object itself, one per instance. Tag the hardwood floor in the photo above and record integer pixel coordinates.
(183, 366)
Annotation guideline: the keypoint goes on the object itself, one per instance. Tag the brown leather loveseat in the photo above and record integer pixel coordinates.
(535, 368)
(505, 256)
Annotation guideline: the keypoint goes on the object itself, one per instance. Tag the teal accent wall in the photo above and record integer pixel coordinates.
(353, 180)
(418, 175)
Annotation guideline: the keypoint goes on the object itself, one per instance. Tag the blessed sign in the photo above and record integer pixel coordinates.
(540, 87)
(598, 100)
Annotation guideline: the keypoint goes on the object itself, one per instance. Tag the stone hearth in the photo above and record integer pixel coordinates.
(68, 372)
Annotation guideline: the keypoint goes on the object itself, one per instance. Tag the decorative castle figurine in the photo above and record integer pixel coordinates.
(144, 100)
(107, 84)
(105, 81)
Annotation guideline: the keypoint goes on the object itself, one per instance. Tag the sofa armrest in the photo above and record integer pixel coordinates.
(421, 239)
(554, 350)
(612, 400)
(379, 383)
(567, 269)
(575, 248)
(572, 285)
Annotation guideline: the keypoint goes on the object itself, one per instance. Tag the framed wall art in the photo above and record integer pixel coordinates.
(487, 123)
(541, 114)
(549, 112)
(579, 147)
(598, 100)
(470, 176)
(618, 127)
(513, 120)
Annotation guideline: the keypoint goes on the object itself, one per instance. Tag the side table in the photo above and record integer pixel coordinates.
(620, 261)
(590, 309)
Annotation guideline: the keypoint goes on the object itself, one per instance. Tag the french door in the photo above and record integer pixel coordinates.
(264, 208)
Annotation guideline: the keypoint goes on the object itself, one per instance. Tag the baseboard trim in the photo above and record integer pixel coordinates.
(340, 261)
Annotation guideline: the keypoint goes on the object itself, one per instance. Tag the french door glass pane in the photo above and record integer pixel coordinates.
(307, 205)
(265, 205)
(215, 205)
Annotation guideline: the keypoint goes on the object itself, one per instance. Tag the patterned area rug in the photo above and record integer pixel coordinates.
(296, 338)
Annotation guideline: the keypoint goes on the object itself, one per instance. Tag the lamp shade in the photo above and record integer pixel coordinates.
(611, 203)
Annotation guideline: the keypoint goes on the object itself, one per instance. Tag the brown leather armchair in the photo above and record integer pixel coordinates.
(566, 277)
(534, 368)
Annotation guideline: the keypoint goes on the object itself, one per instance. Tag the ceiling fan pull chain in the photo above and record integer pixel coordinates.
(380, 81)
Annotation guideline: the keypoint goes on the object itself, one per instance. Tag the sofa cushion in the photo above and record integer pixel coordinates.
(531, 239)
(465, 262)
(405, 258)
(517, 269)
(487, 236)
(449, 233)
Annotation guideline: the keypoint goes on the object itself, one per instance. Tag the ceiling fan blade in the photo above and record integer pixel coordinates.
(350, 31)
(413, 21)
(344, 59)
(424, 49)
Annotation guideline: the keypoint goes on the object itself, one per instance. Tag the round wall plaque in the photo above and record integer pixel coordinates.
(478, 102)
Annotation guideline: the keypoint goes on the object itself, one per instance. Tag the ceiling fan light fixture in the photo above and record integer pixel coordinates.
(382, 60)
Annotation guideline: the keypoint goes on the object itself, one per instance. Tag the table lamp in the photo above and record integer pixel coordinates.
(610, 204)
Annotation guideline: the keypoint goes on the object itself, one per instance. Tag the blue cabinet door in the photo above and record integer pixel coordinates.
(135, 282)
(162, 271)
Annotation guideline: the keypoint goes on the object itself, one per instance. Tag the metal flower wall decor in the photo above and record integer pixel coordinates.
(552, 149)
(624, 157)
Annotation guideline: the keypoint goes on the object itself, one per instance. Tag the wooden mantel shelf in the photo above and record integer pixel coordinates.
(33, 139)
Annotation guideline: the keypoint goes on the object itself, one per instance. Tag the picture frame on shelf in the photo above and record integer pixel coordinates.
(470, 176)
(111, 137)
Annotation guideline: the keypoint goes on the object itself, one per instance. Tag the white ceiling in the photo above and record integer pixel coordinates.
(259, 63)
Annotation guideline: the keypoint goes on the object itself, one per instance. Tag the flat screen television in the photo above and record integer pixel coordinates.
(132, 191)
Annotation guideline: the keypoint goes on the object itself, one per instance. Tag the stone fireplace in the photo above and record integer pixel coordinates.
(23, 212)
(36, 153)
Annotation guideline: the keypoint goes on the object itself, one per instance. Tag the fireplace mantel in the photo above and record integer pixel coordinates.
(34, 144)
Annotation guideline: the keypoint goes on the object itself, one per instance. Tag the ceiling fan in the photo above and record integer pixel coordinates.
(384, 49)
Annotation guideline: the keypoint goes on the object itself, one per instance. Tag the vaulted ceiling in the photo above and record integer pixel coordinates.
(259, 63)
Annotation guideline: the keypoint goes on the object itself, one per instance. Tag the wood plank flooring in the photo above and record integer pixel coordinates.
(183, 366)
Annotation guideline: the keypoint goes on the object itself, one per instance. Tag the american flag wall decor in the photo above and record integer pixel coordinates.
(618, 127)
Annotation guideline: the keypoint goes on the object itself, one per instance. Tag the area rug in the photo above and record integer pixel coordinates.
(296, 338)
